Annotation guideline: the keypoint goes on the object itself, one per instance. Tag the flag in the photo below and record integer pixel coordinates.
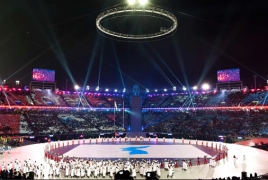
(115, 105)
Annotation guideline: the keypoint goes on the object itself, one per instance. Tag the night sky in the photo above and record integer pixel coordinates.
(62, 35)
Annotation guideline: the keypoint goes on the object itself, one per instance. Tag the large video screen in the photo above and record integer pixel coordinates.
(228, 75)
(44, 75)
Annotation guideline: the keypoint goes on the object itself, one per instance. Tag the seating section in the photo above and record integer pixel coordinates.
(75, 100)
(9, 123)
(219, 99)
(45, 123)
(96, 100)
(24, 126)
(173, 100)
(184, 118)
(95, 121)
(16, 98)
(235, 122)
(46, 98)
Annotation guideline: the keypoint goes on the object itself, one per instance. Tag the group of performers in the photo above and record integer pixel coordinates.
(80, 168)
(3, 149)
(77, 168)
(16, 169)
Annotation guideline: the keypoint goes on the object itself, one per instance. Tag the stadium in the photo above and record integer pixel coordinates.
(62, 117)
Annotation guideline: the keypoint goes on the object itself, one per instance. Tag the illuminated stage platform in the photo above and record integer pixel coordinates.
(256, 159)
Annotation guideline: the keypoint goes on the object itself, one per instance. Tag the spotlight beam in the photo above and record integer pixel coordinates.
(61, 57)
(91, 62)
(127, 75)
(180, 59)
(160, 58)
(35, 58)
(157, 67)
(118, 66)
(100, 66)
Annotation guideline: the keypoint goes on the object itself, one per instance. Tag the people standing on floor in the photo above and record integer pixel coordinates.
(184, 165)
(198, 161)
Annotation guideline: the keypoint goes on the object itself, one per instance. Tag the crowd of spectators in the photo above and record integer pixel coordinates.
(174, 100)
(225, 122)
(244, 121)
(9, 123)
(15, 97)
(211, 99)
(46, 98)
(62, 121)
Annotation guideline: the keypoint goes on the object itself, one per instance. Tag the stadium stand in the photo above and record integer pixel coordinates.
(46, 98)
(182, 118)
(225, 122)
(9, 123)
(75, 100)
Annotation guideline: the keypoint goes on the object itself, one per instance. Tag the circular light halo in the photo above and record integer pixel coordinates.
(147, 9)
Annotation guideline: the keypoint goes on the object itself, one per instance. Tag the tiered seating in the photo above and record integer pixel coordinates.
(46, 123)
(94, 121)
(24, 126)
(240, 122)
(118, 100)
(17, 98)
(98, 101)
(75, 100)
(77, 123)
(154, 101)
(46, 98)
(255, 98)
(9, 123)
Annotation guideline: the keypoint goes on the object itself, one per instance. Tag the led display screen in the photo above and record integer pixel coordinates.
(44, 75)
(228, 75)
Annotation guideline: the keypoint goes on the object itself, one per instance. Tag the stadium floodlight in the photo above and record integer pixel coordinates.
(143, 2)
(124, 90)
(165, 90)
(131, 2)
(115, 90)
(205, 86)
(195, 88)
(184, 88)
(174, 88)
(147, 90)
(106, 89)
(76, 87)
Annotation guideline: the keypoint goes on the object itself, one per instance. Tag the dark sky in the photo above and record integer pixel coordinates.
(62, 35)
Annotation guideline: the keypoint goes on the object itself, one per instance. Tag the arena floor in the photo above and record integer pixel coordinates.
(256, 159)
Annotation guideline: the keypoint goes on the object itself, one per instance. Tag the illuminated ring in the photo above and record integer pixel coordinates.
(151, 9)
